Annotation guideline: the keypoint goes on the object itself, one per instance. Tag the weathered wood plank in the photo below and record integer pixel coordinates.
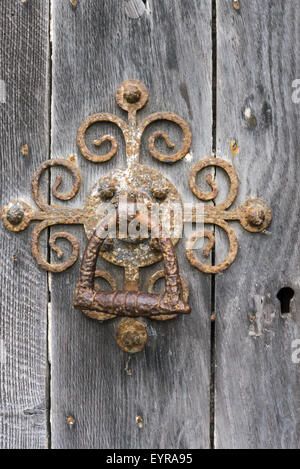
(23, 287)
(257, 384)
(96, 46)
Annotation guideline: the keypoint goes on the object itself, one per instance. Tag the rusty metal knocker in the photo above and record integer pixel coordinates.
(140, 184)
(130, 303)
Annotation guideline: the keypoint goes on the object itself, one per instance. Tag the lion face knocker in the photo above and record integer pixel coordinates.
(134, 196)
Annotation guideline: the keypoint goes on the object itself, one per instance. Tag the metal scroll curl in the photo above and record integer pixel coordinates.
(41, 261)
(35, 184)
(254, 215)
(102, 117)
(17, 215)
(207, 268)
(187, 137)
(232, 176)
(59, 215)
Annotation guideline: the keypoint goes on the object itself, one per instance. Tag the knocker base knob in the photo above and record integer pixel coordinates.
(131, 335)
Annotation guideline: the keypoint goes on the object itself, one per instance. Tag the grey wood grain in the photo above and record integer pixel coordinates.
(134, 8)
(23, 287)
(257, 384)
(96, 46)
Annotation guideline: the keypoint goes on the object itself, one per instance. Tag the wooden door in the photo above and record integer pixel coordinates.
(227, 376)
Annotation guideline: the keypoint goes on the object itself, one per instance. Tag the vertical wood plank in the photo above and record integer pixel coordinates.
(96, 46)
(23, 287)
(257, 383)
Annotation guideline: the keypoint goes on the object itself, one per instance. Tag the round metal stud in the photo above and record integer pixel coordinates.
(256, 215)
(132, 95)
(131, 335)
(15, 214)
(160, 191)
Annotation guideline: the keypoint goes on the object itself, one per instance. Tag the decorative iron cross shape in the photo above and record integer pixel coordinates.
(140, 183)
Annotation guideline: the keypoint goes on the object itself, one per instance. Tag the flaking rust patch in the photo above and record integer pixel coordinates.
(236, 5)
(139, 421)
(25, 150)
(234, 148)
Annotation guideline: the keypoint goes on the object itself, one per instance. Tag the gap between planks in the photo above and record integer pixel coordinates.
(213, 282)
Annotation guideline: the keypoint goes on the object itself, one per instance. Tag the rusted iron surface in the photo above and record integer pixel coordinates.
(130, 303)
(132, 96)
(113, 284)
(151, 283)
(254, 215)
(137, 184)
(131, 335)
(67, 164)
(17, 215)
(144, 186)
(141, 183)
(231, 173)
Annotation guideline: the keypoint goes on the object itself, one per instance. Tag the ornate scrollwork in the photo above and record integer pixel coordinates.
(232, 176)
(137, 184)
(187, 137)
(58, 195)
(207, 268)
(132, 96)
(81, 137)
(17, 215)
(41, 261)
(254, 215)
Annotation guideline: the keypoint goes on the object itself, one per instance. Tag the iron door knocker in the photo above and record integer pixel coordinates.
(138, 185)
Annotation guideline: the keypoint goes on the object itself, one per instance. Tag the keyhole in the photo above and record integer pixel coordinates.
(284, 296)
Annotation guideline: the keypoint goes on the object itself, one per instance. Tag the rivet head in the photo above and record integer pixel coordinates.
(132, 94)
(131, 335)
(256, 215)
(160, 191)
(15, 214)
(106, 191)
